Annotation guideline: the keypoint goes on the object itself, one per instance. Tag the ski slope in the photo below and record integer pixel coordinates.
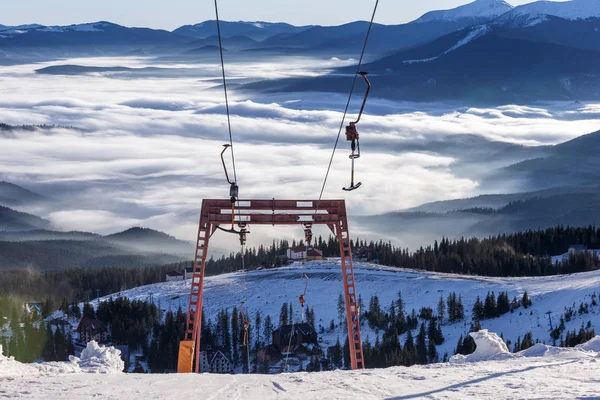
(267, 290)
(542, 372)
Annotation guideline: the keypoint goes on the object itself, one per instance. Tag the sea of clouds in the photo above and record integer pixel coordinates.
(146, 148)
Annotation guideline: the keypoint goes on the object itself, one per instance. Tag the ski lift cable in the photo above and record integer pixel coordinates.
(358, 67)
(225, 90)
(235, 180)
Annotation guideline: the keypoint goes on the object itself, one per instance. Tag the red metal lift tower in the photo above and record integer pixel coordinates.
(269, 212)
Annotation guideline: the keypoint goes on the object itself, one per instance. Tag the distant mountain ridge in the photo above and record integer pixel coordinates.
(12, 220)
(13, 195)
(560, 187)
(256, 30)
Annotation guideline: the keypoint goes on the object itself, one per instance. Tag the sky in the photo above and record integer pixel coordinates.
(174, 13)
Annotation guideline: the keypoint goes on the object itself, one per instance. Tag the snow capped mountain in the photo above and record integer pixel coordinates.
(537, 12)
(480, 10)
(21, 29)
(93, 27)
(257, 30)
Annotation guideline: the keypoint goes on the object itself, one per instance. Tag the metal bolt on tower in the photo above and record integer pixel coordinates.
(269, 212)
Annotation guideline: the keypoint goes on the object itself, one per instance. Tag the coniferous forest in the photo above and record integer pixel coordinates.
(156, 335)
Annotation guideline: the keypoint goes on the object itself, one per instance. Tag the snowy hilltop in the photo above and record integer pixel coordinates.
(266, 291)
(477, 10)
(537, 12)
(490, 372)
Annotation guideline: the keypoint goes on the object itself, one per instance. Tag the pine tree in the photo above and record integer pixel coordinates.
(478, 310)
(337, 354)
(421, 345)
(283, 315)
(341, 309)
(235, 334)
(268, 329)
(490, 307)
(441, 309)
(503, 305)
(257, 327)
(88, 311)
(526, 301)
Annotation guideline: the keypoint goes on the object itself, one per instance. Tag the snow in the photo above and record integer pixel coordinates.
(565, 256)
(93, 27)
(489, 346)
(267, 290)
(477, 9)
(549, 376)
(100, 359)
(592, 345)
(473, 33)
(534, 13)
(94, 359)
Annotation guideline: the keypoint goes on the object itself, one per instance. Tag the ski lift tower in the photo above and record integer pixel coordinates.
(268, 212)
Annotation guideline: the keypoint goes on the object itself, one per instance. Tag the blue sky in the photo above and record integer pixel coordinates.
(173, 13)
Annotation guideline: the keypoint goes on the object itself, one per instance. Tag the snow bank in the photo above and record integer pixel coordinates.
(544, 350)
(489, 346)
(99, 359)
(94, 359)
(592, 345)
(10, 367)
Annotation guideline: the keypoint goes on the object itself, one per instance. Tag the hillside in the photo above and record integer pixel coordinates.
(149, 240)
(476, 64)
(267, 290)
(65, 254)
(14, 195)
(12, 220)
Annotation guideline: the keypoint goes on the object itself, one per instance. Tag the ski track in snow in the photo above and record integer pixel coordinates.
(267, 290)
(540, 378)
(472, 35)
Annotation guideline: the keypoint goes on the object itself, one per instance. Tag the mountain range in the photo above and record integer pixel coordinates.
(484, 51)
(558, 186)
(27, 240)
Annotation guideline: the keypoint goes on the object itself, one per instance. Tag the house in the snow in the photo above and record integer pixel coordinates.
(188, 272)
(214, 360)
(174, 276)
(270, 353)
(577, 248)
(32, 308)
(92, 329)
(299, 340)
(304, 253)
(363, 253)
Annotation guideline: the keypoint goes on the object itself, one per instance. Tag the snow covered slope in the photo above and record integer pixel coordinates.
(537, 12)
(479, 11)
(553, 374)
(267, 290)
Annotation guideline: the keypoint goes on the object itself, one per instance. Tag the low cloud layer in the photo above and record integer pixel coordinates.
(147, 150)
